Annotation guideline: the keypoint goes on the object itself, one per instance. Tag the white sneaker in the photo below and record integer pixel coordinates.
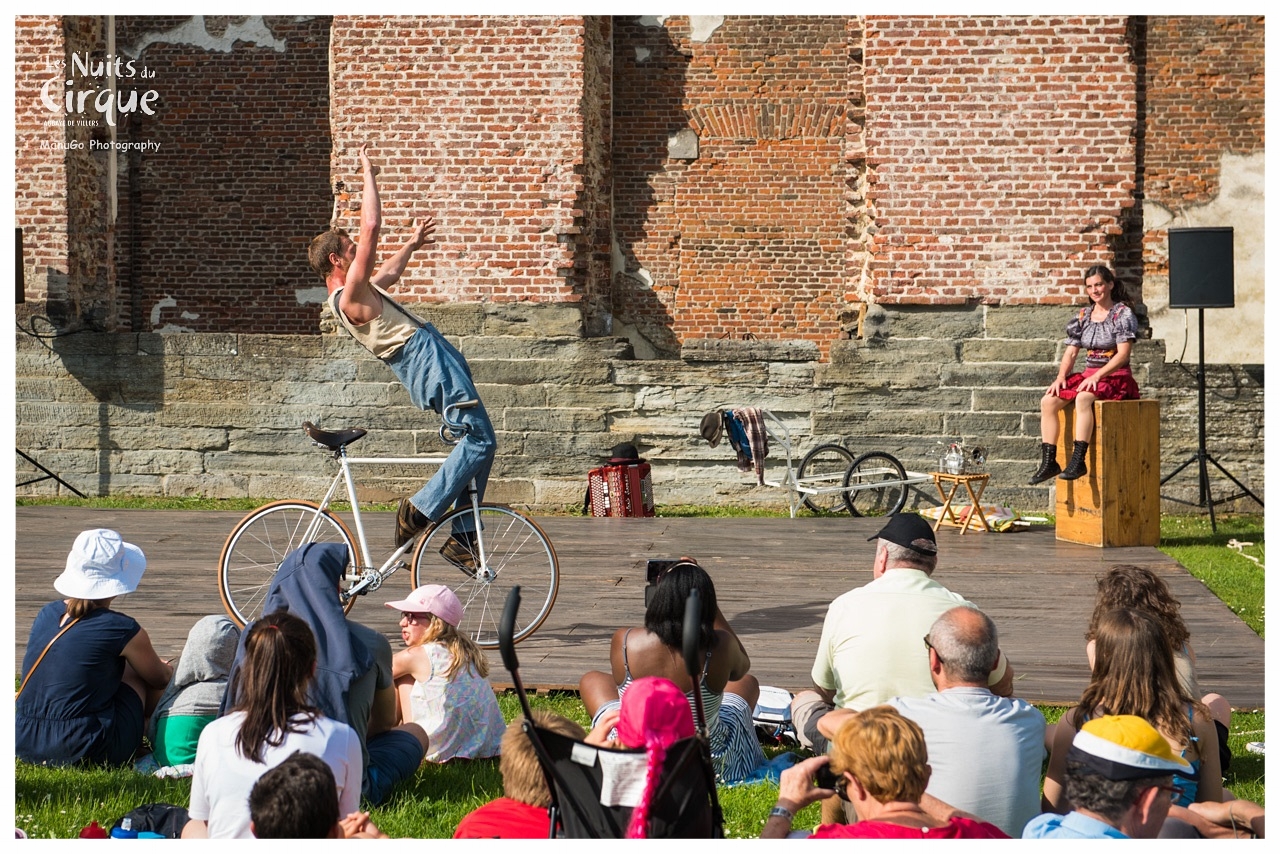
(1259, 747)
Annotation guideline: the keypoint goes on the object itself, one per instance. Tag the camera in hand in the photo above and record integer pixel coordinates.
(825, 778)
(653, 575)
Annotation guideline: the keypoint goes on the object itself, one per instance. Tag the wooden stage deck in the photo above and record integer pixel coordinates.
(774, 578)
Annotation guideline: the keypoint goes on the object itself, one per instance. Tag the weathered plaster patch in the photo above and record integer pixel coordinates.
(640, 345)
(683, 145)
(704, 26)
(252, 30)
(167, 302)
(1232, 335)
(642, 54)
(618, 264)
(311, 296)
(652, 20)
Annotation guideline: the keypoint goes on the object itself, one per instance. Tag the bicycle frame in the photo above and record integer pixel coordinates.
(365, 576)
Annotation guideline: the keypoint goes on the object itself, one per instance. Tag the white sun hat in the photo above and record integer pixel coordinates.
(101, 565)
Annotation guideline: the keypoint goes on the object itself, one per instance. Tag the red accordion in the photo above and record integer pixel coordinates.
(620, 490)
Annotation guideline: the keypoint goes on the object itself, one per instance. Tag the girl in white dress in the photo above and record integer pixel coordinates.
(442, 678)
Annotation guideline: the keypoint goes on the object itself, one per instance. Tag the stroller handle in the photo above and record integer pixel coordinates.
(692, 622)
(506, 630)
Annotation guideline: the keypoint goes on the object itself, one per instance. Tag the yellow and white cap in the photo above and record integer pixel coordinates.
(1126, 747)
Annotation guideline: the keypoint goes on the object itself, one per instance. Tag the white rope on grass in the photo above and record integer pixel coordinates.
(1239, 547)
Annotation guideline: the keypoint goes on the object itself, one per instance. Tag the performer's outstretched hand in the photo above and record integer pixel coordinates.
(365, 162)
(424, 232)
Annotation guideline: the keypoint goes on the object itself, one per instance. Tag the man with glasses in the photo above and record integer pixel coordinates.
(985, 751)
(1119, 781)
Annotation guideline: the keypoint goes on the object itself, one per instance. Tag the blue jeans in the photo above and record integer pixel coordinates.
(394, 756)
(436, 375)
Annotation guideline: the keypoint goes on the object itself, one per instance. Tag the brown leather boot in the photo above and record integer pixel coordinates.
(407, 524)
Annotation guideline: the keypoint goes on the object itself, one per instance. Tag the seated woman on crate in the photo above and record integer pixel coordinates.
(729, 692)
(1106, 328)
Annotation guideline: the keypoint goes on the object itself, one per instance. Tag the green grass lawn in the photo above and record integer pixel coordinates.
(57, 803)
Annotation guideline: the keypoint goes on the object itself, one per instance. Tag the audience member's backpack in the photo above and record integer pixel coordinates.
(165, 820)
(772, 717)
(621, 487)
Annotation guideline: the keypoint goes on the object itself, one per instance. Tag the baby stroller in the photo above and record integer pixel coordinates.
(582, 777)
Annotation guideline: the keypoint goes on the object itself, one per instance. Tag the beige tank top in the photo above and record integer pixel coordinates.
(385, 334)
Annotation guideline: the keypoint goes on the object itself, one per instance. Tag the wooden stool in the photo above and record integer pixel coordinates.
(1118, 502)
(947, 514)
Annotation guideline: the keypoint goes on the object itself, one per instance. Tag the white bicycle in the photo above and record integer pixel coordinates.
(508, 549)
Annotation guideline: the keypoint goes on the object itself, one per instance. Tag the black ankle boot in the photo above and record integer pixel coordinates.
(1076, 467)
(1048, 464)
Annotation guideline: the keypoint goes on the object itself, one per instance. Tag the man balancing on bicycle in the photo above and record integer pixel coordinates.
(430, 368)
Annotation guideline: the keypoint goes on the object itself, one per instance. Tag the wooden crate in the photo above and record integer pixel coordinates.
(1118, 502)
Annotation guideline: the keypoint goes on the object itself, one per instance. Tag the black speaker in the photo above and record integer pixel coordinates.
(1202, 271)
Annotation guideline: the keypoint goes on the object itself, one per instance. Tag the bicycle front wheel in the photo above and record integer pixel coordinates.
(516, 552)
(822, 469)
(257, 546)
(874, 485)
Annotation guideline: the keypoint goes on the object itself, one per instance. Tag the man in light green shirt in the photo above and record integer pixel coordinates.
(872, 646)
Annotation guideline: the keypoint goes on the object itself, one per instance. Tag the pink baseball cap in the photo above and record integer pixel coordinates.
(432, 599)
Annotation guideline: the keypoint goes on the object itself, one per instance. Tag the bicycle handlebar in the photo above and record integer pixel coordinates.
(451, 432)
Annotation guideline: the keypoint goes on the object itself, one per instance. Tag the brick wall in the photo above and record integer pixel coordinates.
(1205, 95)
(477, 121)
(1204, 143)
(747, 235)
(1000, 154)
(225, 207)
(593, 264)
(40, 177)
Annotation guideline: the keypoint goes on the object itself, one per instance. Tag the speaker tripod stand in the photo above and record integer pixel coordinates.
(48, 475)
(1201, 458)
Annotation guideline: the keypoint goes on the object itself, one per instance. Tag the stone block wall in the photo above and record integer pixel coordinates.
(219, 414)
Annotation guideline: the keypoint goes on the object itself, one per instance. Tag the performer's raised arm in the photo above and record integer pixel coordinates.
(359, 302)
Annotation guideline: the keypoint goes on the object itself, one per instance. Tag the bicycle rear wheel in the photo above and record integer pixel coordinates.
(874, 485)
(517, 552)
(260, 542)
(822, 468)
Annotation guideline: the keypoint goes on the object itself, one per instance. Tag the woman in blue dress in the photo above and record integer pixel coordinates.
(90, 674)
(1106, 330)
